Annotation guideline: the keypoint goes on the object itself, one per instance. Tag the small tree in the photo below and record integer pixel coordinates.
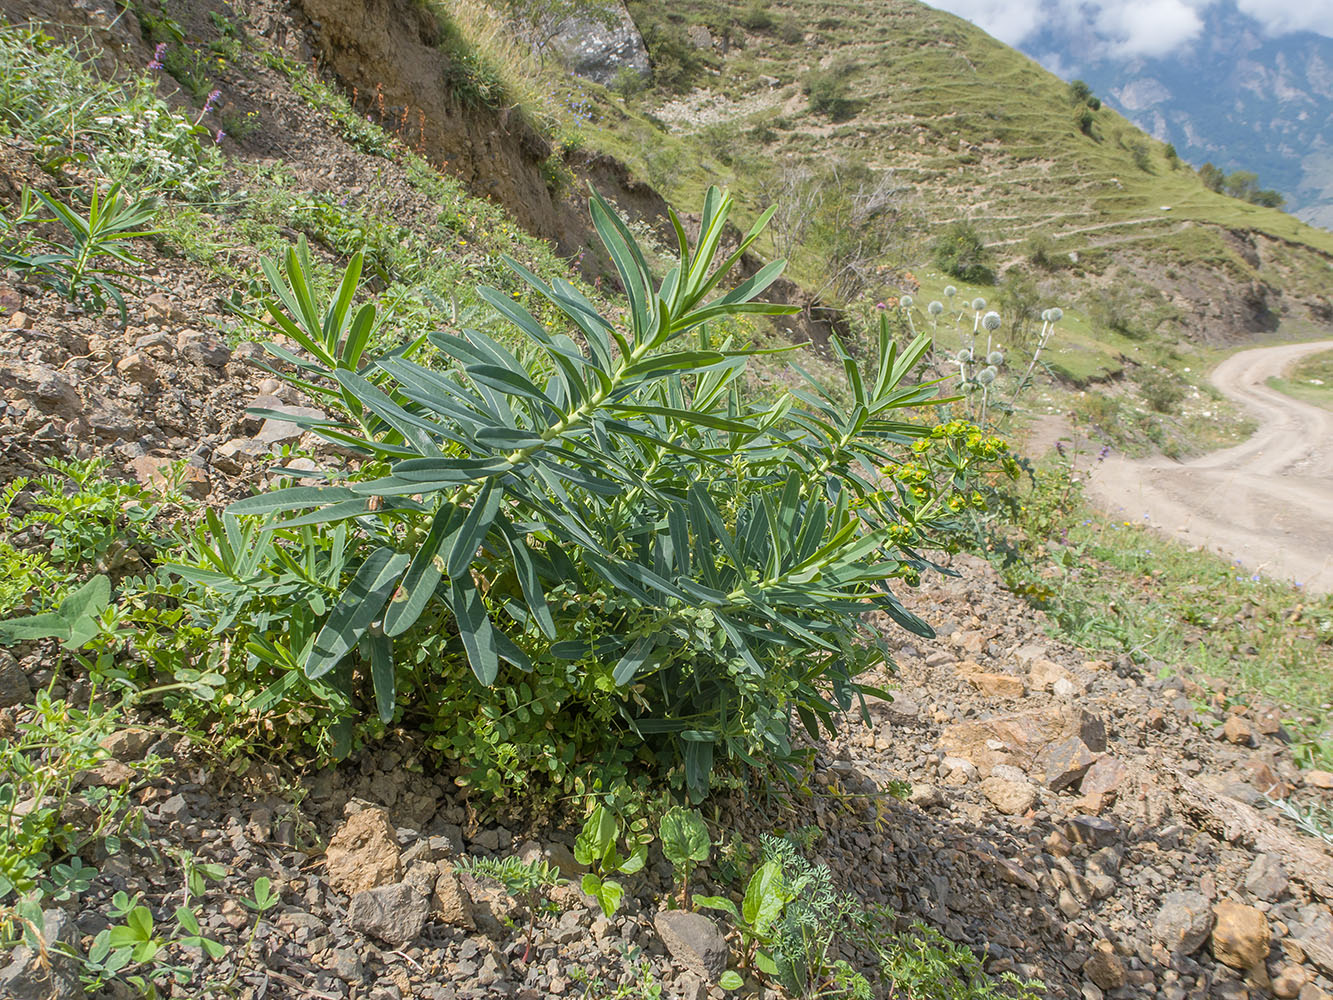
(1079, 92)
(960, 252)
(1212, 177)
(1083, 119)
(1142, 156)
(1242, 184)
(829, 90)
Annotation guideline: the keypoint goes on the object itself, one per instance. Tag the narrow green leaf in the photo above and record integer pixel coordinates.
(380, 650)
(359, 606)
(473, 529)
(633, 660)
(423, 576)
(292, 498)
(474, 628)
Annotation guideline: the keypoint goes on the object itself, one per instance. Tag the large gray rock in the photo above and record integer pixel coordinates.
(1266, 878)
(1184, 922)
(694, 941)
(393, 913)
(27, 977)
(600, 51)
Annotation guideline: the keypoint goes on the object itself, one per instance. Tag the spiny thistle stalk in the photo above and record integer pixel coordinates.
(906, 302)
(1049, 317)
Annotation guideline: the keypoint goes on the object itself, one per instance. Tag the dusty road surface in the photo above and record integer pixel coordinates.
(1267, 502)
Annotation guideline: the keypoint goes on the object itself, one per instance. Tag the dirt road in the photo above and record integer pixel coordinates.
(1267, 502)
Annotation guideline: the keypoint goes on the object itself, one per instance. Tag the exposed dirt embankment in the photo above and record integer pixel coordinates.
(390, 50)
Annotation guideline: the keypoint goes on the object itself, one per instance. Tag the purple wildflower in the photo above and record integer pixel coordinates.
(1060, 448)
(880, 305)
(212, 101)
(1101, 455)
(219, 137)
(158, 54)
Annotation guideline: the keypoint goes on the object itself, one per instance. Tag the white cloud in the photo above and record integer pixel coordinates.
(1010, 21)
(1283, 17)
(1148, 28)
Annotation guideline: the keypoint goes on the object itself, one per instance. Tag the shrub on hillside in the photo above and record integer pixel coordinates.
(1039, 249)
(960, 252)
(1140, 153)
(1162, 389)
(601, 554)
(756, 17)
(829, 90)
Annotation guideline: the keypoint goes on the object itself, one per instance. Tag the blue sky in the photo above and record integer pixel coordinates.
(1147, 28)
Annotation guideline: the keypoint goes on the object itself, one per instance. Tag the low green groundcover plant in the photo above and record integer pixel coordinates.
(591, 553)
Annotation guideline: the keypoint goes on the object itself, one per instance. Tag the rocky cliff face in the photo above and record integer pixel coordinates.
(599, 52)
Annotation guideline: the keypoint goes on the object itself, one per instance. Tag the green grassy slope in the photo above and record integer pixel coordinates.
(979, 129)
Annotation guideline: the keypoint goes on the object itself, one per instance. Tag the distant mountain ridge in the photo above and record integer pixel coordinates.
(1234, 96)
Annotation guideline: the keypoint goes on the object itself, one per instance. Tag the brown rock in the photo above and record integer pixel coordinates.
(1269, 722)
(1259, 774)
(1017, 739)
(159, 472)
(1043, 674)
(1319, 779)
(1237, 730)
(1064, 763)
(1155, 720)
(449, 903)
(1104, 968)
(1288, 982)
(159, 308)
(1104, 776)
(108, 774)
(994, 685)
(1091, 830)
(135, 367)
(18, 320)
(1013, 798)
(363, 854)
(129, 744)
(1240, 935)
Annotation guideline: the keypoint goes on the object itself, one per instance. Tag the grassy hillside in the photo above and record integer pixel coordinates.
(1152, 268)
(981, 131)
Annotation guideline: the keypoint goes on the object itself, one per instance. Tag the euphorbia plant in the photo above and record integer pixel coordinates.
(605, 515)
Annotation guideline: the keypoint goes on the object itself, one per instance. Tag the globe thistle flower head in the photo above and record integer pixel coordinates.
(995, 358)
(978, 304)
(991, 321)
(1045, 315)
(1056, 314)
(986, 376)
(906, 301)
(965, 355)
(950, 291)
(935, 308)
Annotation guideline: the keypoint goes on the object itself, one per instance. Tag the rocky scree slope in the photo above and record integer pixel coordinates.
(1085, 822)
